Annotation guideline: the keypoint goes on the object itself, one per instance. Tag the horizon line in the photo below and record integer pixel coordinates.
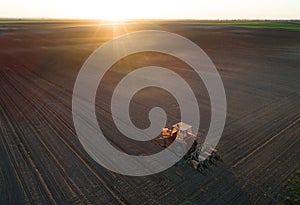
(149, 19)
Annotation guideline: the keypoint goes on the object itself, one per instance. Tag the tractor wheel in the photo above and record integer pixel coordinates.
(212, 160)
(218, 156)
(200, 167)
(206, 163)
(180, 149)
(162, 143)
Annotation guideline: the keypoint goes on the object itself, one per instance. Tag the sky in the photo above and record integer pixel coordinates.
(151, 9)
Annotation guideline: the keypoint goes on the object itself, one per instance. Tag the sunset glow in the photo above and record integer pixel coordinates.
(156, 9)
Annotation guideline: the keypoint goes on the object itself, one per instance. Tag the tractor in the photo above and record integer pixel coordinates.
(200, 156)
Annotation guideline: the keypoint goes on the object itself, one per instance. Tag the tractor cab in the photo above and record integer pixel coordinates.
(183, 131)
(180, 132)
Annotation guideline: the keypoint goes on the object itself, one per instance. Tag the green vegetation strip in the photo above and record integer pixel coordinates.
(290, 26)
(292, 196)
(274, 25)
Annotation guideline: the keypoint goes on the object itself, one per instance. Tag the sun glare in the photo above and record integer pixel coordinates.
(120, 10)
(113, 11)
(113, 17)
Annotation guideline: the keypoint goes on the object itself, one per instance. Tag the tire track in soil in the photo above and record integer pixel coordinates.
(35, 103)
(148, 195)
(69, 183)
(145, 194)
(12, 162)
(64, 122)
(256, 171)
(243, 136)
(26, 156)
(265, 143)
(287, 145)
